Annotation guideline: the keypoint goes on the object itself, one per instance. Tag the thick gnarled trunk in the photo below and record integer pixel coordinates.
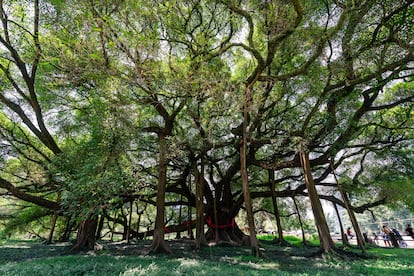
(222, 229)
(86, 236)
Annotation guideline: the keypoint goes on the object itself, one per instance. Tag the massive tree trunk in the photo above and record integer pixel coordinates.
(220, 214)
(158, 244)
(85, 239)
(326, 242)
(223, 228)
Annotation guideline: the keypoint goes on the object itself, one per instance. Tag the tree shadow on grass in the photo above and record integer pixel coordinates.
(17, 251)
(119, 257)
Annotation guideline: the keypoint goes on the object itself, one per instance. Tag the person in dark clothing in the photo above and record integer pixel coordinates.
(349, 233)
(399, 238)
(409, 231)
(396, 233)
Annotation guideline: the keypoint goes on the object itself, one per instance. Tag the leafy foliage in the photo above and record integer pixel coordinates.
(89, 89)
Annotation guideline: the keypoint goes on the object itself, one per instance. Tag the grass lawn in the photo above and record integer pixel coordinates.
(34, 258)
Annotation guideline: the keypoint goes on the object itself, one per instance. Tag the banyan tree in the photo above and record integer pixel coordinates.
(205, 104)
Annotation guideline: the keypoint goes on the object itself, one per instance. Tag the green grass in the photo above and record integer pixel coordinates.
(34, 258)
(293, 240)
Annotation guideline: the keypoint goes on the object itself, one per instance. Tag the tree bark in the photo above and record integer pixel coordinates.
(52, 205)
(245, 178)
(68, 229)
(355, 225)
(52, 228)
(280, 239)
(300, 221)
(158, 244)
(180, 217)
(98, 235)
(128, 234)
(199, 176)
(354, 222)
(190, 214)
(326, 242)
(224, 230)
(85, 239)
(341, 226)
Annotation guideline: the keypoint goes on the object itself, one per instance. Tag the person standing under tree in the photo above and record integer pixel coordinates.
(349, 233)
(386, 236)
(391, 236)
(409, 231)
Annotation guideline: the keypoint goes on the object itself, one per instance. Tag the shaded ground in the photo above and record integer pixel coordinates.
(118, 258)
(26, 250)
(185, 249)
(23, 250)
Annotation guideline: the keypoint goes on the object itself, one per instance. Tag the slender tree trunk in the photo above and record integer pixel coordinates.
(100, 227)
(54, 221)
(280, 239)
(158, 243)
(216, 231)
(245, 178)
(300, 221)
(327, 244)
(199, 176)
(341, 226)
(180, 217)
(139, 214)
(68, 230)
(128, 234)
(112, 230)
(52, 229)
(355, 225)
(190, 215)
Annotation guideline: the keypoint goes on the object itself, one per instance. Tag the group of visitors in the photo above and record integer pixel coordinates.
(390, 236)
